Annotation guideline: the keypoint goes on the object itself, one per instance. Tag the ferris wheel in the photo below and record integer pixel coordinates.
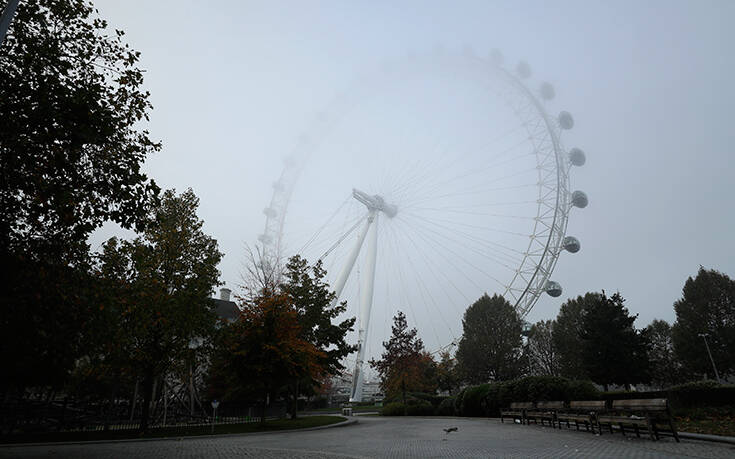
(434, 180)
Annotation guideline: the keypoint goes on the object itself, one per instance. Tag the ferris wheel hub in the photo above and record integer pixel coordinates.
(375, 202)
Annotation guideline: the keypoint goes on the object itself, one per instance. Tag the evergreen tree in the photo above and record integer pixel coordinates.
(566, 336)
(491, 344)
(613, 351)
(707, 306)
(403, 364)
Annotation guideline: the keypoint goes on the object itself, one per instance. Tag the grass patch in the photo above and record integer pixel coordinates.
(710, 420)
(175, 432)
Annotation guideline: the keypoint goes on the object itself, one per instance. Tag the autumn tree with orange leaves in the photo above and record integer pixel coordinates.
(263, 350)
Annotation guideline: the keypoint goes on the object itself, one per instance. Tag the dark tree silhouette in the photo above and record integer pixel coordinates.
(613, 351)
(707, 306)
(665, 369)
(491, 344)
(71, 150)
(567, 336)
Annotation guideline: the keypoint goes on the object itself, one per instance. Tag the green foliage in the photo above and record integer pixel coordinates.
(71, 150)
(613, 351)
(446, 407)
(665, 369)
(410, 408)
(707, 306)
(447, 376)
(566, 336)
(160, 286)
(491, 344)
(404, 365)
(540, 351)
(472, 401)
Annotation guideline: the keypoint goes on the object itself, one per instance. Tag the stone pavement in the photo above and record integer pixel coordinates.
(394, 438)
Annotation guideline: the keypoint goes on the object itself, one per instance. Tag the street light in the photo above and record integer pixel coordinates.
(704, 337)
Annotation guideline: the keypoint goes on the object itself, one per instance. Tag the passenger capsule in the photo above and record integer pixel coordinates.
(577, 157)
(523, 69)
(579, 199)
(553, 288)
(547, 91)
(565, 120)
(571, 244)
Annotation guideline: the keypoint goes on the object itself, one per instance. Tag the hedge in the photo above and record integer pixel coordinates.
(684, 397)
(412, 408)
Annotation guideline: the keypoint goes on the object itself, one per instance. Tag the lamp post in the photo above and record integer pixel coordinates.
(704, 337)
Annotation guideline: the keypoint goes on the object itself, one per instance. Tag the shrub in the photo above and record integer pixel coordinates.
(472, 402)
(446, 407)
(458, 401)
(412, 408)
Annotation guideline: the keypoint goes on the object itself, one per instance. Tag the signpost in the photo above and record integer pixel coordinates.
(215, 404)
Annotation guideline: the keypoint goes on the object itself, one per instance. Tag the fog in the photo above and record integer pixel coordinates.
(377, 93)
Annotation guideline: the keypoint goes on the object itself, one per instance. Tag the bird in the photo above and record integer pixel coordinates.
(450, 429)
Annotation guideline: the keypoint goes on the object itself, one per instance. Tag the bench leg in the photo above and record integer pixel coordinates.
(622, 428)
(673, 430)
(637, 433)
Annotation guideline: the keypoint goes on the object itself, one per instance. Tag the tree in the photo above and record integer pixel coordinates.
(446, 373)
(71, 150)
(263, 350)
(316, 308)
(566, 336)
(613, 351)
(541, 353)
(665, 370)
(491, 344)
(165, 278)
(707, 306)
(403, 364)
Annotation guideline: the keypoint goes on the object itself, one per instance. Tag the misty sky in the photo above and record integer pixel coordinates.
(235, 85)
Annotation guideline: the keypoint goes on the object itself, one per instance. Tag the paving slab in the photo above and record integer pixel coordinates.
(395, 437)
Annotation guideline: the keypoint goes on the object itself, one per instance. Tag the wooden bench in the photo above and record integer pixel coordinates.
(545, 411)
(583, 411)
(639, 413)
(517, 411)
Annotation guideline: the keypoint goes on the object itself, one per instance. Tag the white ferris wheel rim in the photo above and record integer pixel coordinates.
(533, 275)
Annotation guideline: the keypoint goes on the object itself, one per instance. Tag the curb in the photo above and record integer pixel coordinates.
(345, 423)
(707, 437)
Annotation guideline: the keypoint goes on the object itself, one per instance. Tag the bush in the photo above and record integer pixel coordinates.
(412, 408)
(446, 407)
(472, 401)
(458, 401)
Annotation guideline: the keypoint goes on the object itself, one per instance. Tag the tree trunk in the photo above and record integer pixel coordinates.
(147, 396)
(135, 399)
(605, 386)
(262, 409)
(295, 402)
(403, 392)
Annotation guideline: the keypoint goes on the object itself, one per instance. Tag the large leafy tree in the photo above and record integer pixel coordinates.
(707, 306)
(164, 278)
(71, 149)
(613, 350)
(665, 369)
(566, 336)
(491, 344)
(447, 378)
(316, 310)
(541, 354)
(404, 364)
(263, 351)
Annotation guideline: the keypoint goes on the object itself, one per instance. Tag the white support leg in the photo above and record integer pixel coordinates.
(339, 284)
(366, 303)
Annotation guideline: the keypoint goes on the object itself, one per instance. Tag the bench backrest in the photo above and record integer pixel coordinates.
(521, 405)
(556, 405)
(643, 404)
(591, 405)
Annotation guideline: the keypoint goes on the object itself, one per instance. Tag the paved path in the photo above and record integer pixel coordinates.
(394, 438)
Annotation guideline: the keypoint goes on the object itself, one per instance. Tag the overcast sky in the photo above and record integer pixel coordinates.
(235, 85)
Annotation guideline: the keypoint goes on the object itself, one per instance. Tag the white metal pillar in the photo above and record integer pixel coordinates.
(366, 304)
(339, 284)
